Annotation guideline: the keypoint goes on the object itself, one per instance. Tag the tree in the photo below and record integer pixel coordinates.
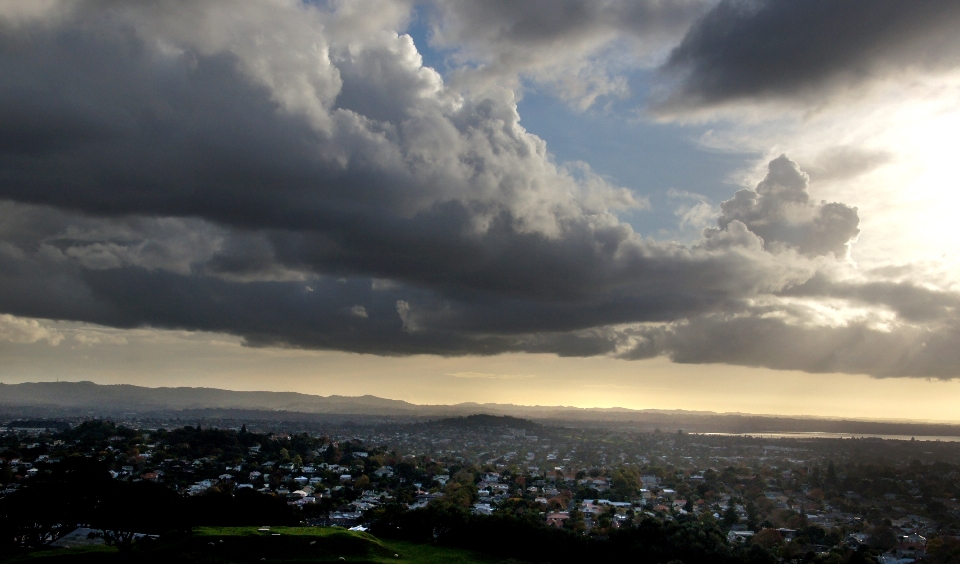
(624, 485)
(35, 517)
(831, 473)
(460, 494)
(815, 479)
(883, 538)
(768, 538)
(575, 522)
(753, 517)
(127, 512)
(52, 505)
(730, 517)
(943, 550)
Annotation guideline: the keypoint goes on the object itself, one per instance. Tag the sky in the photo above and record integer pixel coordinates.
(741, 205)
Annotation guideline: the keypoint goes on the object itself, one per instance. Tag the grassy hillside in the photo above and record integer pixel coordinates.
(248, 544)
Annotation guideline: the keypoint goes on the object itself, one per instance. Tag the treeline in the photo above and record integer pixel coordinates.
(226, 445)
(80, 492)
(521, 538)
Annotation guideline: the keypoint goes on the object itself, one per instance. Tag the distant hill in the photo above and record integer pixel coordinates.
(129, 398)
(56, 399)
(490, 421)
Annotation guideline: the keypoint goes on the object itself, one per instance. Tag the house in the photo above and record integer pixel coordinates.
(788, 534)
(344, 518)
(913, 539)
(557, 519)
(894, 559)
(912, 544)
(739, 536)
(617, 504)
(649, 481)
(856, 540)
(481, 509)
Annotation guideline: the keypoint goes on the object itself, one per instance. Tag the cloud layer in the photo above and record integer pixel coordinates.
(580, 49)
(294, 175)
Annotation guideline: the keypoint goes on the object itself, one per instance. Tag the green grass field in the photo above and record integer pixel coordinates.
(241, 545)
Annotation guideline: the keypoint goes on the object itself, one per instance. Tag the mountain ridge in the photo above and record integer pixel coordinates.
(113, 399)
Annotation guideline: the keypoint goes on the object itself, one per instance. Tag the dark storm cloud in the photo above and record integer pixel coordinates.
(235, 167)
(180, 274)
(754, 49)
(772, 342)
(910, 302)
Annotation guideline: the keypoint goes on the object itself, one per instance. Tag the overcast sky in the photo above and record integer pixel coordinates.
(738, 205)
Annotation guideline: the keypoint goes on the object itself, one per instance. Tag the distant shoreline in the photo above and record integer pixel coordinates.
(822, 435)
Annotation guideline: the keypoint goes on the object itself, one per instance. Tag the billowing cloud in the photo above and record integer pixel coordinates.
(780, 212)
(17, 330)
(294, 175)
(745, 50)
(579, 49)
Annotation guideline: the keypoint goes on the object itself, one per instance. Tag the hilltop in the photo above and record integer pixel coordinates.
(484, 420)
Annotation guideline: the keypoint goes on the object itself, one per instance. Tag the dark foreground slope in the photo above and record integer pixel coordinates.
(241, 545)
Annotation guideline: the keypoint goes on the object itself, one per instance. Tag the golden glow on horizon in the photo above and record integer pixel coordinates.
(173, 358)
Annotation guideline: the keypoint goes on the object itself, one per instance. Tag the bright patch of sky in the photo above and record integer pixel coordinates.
(654, 160)
(663, 163)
